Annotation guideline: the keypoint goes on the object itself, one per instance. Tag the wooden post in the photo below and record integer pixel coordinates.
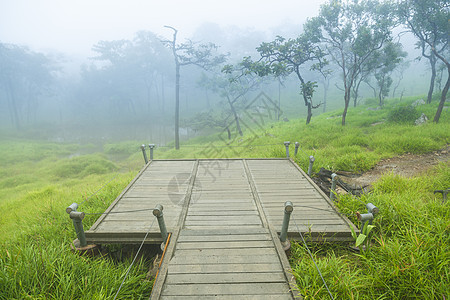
(311, 163)
(286, 144)
(77, 218)
(333, 186)
(144, 153)
(151, 146)
(288, 208)
(158, 213)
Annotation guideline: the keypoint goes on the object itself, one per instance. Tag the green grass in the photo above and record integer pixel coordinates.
(409, 257)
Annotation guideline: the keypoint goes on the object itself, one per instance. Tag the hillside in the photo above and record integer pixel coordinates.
(409, 251)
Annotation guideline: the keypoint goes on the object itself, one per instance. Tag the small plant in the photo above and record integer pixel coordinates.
(362, 241)
(403, 114)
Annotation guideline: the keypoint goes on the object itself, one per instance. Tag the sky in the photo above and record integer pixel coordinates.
(73, 27)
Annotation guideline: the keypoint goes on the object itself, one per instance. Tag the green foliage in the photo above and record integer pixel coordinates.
(122, 149)
(82, 166)
(36, 232)
(403, 114)
(353, 32)
(409, 251)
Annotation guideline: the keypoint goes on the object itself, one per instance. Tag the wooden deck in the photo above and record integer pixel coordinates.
(219, 198)
(224, 216)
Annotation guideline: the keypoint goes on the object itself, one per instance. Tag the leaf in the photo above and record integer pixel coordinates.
(361, 238)
(369, 229)
(353, 233)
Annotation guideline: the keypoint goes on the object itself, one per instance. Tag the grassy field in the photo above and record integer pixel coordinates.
(409, 254)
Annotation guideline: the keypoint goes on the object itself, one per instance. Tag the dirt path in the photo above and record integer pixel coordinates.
(408, 165)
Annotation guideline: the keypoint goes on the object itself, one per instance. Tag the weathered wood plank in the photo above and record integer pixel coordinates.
(230, 218)
(223, 238)
(224, 231)
(229, 259)
(223, 222)
(284, 296)
(199, 213)
(218, 227)
(225, 278)
(225, 268)
(224, 245)
(224, 252)
(225, 289)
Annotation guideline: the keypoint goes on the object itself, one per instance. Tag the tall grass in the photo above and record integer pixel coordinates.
(408, 257)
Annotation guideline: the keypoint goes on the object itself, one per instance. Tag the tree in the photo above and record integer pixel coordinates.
(432, 60)
(283, 57)
(352, 32)
(399, 74)
(189, 53)
(388, 58)
(231, 86)
(24, 75)
(211, 119)
(428, 21)
(128, 75)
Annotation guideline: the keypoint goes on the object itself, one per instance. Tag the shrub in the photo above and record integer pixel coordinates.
(403, 114)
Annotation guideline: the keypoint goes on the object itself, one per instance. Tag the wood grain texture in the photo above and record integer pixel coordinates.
(225, 216)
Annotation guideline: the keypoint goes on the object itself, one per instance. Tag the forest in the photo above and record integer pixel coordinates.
(163, 88)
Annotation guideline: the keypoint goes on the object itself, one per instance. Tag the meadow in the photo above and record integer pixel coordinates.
(409, 253)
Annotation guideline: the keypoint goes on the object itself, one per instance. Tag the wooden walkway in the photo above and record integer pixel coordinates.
(224, 216)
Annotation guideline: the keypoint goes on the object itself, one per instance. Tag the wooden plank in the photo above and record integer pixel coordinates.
(229, 259)
(162, 272)
(299, 222)
(220, 207)
(225, 289)
(99, 237)
(219, 200)
(225, 268)
(100, 219)
(233, 297)
(223, 238)
(218, 227)
(226, 231)
(275, 238)
(224, 252)
(223, 218)
(223, 222)
(127, 225)
(328, 200)
(224, 245)
(225, 278)
(198, 213)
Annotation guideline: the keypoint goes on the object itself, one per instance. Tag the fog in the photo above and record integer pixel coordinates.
(96, 71)
(73, 27)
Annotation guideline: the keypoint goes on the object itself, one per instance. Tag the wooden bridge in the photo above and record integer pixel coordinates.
(224, 217)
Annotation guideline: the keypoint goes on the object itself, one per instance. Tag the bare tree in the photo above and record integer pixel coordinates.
(189, 53)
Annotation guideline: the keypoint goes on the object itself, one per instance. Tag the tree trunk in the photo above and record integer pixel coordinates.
(177, 106)
(432, 59)
(356, 92)
(308, 117)
(443, 98)
(236, 117)
(380, 93)
(12, 99)
(347, 102)
(326, 85)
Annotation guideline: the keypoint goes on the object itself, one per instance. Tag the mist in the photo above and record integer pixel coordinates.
(99, 72)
